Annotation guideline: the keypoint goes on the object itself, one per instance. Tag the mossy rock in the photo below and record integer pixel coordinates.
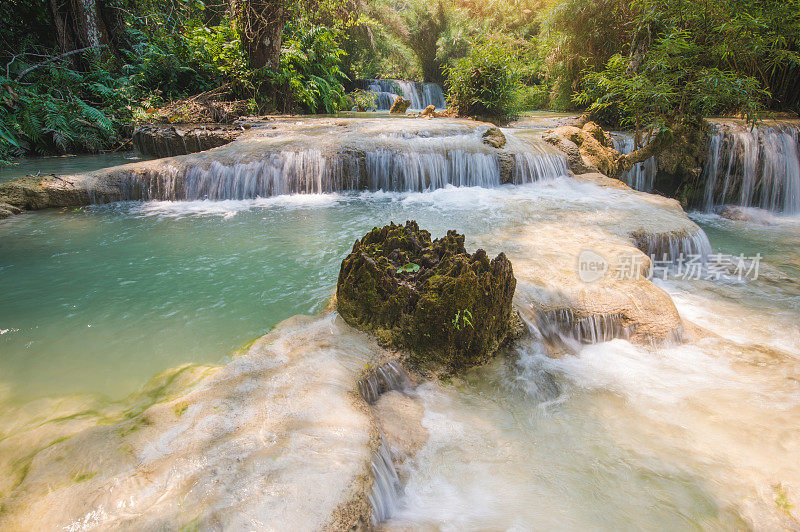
(449, 309)
(400, 105)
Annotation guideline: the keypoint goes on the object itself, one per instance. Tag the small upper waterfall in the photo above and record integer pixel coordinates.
(643, 175)
(758, 167)
(421, 95)
(402, 160)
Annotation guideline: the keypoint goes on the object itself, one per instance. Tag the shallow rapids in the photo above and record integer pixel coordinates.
(614, 435)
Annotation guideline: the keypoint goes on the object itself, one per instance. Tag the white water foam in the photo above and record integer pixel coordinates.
(230, 208)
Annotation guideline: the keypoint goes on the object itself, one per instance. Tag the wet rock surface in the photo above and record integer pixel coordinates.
(39, 193)
(450, 309)
(494, 137)
(428, 112)
(588, 149)
(168, 141)
(400, 106)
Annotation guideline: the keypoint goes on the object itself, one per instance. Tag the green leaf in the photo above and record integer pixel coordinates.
(408, 267)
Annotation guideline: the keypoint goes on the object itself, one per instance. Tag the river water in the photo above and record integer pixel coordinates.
(66, 164)
(703, 434)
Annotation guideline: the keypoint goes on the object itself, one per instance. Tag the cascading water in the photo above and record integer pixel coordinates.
(386, 488)
(421, 95)
(672, 246)
(385, 378)
(758, 167)
(642, 176)
(404, 161)
(563, 325)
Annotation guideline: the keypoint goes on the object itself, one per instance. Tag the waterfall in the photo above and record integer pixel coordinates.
(673, 246)
(391, 163)
(384, 498)
(564, 324)
(421, 95)
(643, 175)
(758, 167)
(387, 377)
(389, 170)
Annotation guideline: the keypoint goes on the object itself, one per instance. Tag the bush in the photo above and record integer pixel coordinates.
(530, 98)
(484, 82)
(311, 77)
(58, 110)
(360, 100)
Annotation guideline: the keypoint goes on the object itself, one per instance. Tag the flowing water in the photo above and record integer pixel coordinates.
(754, 167)
(343, 154)
(643, 175)
(421, 95)
(615, 436)
(699, 435)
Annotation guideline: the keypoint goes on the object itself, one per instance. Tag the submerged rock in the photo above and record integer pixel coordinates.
(400, 106)
(275, 437)
(452, 310)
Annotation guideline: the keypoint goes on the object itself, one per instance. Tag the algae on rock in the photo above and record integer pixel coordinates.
(451, 310)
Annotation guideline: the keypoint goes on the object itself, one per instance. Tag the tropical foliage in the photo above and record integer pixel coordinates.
(484, 82)
(647, 64)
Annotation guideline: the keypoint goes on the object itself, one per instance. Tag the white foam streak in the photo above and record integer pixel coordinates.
(663, 376)
(230, 208)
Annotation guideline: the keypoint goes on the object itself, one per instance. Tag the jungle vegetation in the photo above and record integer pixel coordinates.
(77, 74)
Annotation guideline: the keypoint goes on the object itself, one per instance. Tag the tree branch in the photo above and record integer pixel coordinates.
(651, 149)
(56, 58)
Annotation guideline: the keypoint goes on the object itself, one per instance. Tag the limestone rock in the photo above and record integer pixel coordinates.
(588, 149)
(400, 419)
(494, 137)
(168, 141)
(575, 161)
(599, 134)
(450, 112)
(7, 210)
(400, 106)
(506, 164)
(428, 112)
(603, 181)
(451, 310)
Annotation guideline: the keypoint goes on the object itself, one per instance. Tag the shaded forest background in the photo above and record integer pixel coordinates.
(77, 74)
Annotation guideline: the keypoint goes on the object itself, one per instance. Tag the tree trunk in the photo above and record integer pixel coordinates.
(261, 26)
(59, 11)
(86, 25)
(77, 27)
(112, 16)
(423, 40)
(651, 149)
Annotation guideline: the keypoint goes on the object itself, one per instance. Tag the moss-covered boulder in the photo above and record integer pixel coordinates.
(449, 309)
(400, 106)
